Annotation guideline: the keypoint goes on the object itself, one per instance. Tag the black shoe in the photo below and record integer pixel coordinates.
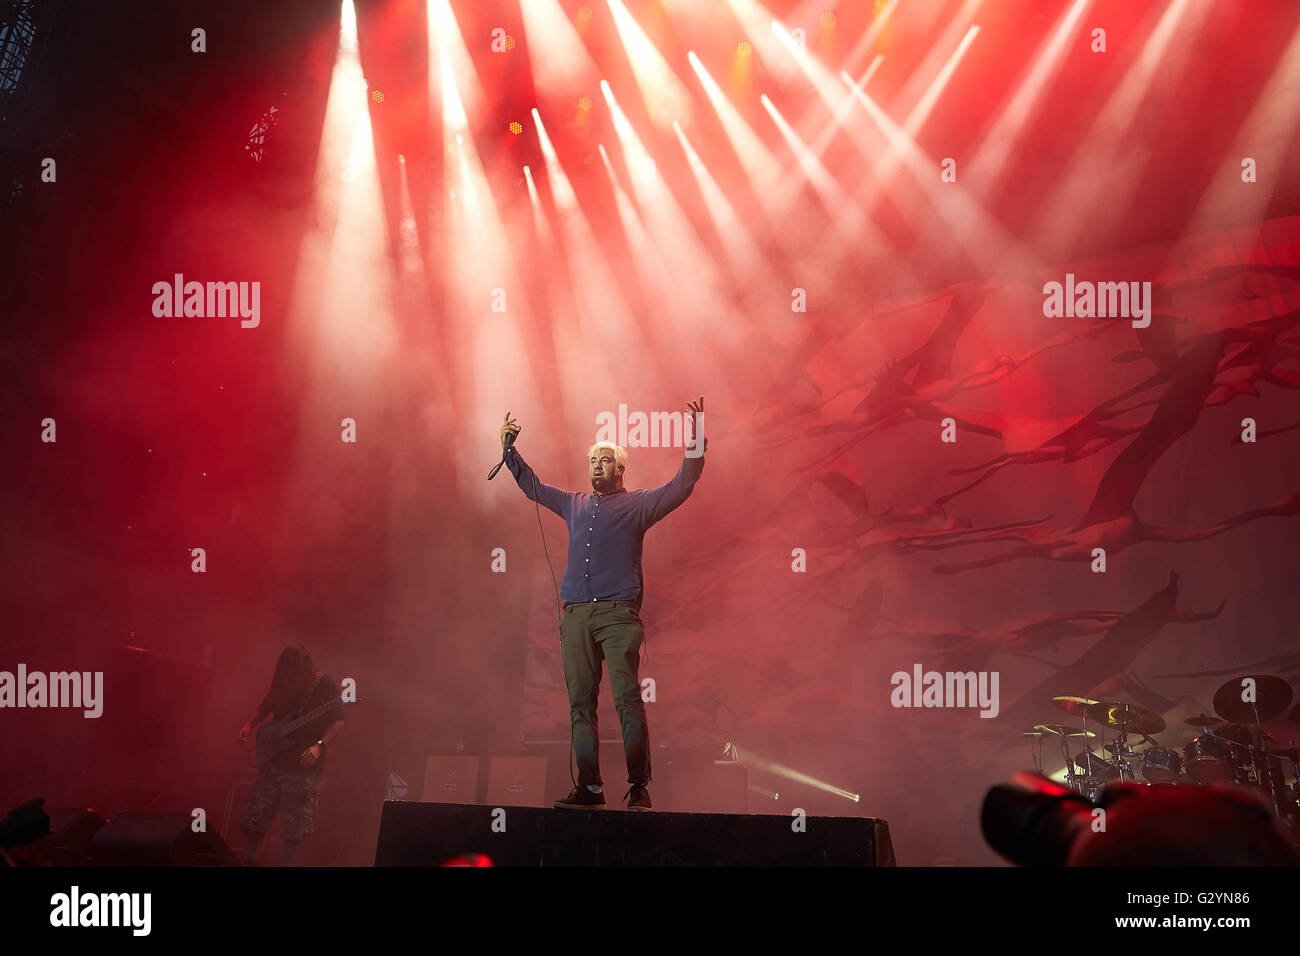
(637, 798)
(580, 798)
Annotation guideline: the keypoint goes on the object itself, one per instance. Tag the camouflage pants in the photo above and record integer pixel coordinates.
(295, 790)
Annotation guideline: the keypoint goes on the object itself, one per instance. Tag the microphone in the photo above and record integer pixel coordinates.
(510, 440)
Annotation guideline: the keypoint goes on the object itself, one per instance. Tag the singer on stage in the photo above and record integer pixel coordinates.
(602, 592)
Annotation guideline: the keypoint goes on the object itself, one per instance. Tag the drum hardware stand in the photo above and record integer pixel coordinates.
(1087, 747)
(1036, 752)
(1122, 752)
(1073, 778)
(1257, 751)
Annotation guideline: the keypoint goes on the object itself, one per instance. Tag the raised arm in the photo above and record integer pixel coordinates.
(550, 497)
(661, 501)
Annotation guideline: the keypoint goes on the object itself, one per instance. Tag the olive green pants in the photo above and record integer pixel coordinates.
(609, 631)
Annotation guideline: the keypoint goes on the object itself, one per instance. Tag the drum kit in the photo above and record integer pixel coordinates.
(1229, 746)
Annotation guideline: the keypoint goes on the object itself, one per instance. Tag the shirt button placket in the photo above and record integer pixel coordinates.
(587, 576)
(594, 509)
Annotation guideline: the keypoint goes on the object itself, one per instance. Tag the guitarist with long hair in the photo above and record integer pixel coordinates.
(292, 779)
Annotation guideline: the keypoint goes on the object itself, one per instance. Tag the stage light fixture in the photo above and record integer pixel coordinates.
(764, 764)
(516, 127)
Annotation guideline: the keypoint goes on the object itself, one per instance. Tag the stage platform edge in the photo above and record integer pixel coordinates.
(430, 834)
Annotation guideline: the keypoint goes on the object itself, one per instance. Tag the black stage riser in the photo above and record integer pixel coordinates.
(430, 834)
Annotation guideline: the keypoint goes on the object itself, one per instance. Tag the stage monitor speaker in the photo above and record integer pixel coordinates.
(451, 780)
(517, 782)
(430, 834)
(68, 842)
(157, 839)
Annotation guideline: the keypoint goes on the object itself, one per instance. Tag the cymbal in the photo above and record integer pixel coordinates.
(1075, 706)
(1057, 730)
(1203, 720)
(1272, 697)
(1134, 719)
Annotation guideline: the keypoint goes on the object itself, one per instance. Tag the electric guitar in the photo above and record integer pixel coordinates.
(273, 739)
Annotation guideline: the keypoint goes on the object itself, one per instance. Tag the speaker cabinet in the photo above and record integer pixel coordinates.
(517, 782)
(451, 780)
(157, 839)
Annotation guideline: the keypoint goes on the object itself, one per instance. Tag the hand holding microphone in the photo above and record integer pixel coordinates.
(509, 431)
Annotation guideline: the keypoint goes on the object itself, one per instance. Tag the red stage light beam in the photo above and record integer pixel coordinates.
(986, 165)
(342, 268)
(488, 310)
(601, 314)
(540, 220)
(994, 250)
(863, 45)
(665, 96)
(761, 167)
(855, 229)
(1263, 137)
(1108, 164)
(559, 60)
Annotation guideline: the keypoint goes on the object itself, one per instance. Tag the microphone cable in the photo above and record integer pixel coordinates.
(537, 504)
(554, 585)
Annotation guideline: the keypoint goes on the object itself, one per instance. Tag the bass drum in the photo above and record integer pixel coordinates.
(1161, 765)
(1212, 759)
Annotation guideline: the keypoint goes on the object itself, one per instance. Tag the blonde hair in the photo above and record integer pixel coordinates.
(620, 456)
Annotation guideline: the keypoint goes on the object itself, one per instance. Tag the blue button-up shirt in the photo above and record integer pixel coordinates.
(606, 531)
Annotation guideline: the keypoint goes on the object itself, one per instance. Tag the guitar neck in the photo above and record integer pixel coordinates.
(307, 718)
